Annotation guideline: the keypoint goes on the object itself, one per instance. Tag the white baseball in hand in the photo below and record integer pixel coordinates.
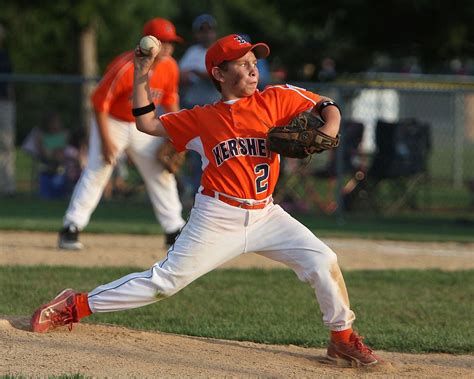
(147, 42)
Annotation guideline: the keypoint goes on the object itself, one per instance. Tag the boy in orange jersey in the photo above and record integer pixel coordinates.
(113, 131)
(233, 211)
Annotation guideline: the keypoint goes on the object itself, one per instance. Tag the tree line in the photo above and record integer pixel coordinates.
(45, 37)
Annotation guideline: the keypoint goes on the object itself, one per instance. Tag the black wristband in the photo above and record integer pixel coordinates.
(328, 103)
(143, 110)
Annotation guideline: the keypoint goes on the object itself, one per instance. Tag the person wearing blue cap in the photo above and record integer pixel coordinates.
(195, 86)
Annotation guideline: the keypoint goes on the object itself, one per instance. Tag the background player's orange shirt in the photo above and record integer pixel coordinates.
(231, 138)
(113, 95)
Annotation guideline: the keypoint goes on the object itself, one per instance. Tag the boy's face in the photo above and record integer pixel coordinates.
(167, 50)
(241, 77)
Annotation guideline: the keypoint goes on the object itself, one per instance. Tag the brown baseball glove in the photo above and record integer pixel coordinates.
(301, 137)
(167, 155)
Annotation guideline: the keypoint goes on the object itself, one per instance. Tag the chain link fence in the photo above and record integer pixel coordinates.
(445, 109)
(448, 109)
(409, 128)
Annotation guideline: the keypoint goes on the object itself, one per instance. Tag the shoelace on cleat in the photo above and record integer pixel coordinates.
(70, 312)
(62, 318)
(359, 345)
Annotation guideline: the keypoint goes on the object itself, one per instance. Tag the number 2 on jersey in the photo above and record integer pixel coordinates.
(261, 182)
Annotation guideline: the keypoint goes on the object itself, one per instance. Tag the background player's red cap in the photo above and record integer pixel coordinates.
(230, 48)
(162, 29)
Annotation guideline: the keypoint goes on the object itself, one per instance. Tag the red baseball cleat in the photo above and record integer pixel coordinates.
(60, 311)
(354, 351)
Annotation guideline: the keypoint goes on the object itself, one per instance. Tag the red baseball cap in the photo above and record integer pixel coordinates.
(230, 48)
(162, 29)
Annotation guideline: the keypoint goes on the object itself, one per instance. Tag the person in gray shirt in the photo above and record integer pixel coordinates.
(196, 87)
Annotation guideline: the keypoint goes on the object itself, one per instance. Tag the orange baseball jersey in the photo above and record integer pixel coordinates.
(231, 138)
(113, 95)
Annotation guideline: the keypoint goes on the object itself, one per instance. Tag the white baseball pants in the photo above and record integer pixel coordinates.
(217, 232)
(160, 184)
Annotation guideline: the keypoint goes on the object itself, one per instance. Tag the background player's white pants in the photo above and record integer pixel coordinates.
(217, 232)
(161, 185)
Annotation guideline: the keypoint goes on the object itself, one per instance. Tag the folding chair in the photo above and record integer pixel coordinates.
(352, 163)
(399, 168)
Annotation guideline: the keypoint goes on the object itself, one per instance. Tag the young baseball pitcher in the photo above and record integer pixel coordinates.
(113, 131)
(234, 212)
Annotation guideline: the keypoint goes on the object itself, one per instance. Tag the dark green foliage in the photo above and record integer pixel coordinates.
(45, 34)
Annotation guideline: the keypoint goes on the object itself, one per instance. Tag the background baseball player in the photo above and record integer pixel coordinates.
(113, 131)
(233, 212)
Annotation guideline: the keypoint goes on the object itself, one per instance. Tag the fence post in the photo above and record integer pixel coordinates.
(89, 69)
(458, 140)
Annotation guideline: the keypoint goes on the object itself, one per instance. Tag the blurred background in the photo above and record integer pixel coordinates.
(402, 72)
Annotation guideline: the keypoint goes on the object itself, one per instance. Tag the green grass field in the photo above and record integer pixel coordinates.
(410, 311)
(136, 217)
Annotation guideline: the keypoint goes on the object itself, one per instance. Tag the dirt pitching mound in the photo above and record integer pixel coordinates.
(110, 351)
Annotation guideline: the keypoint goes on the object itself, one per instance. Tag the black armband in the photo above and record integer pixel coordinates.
(327, 103)
(143, 110)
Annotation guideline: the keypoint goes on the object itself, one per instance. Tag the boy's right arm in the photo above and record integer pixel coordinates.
(147, 123)
(109, 149)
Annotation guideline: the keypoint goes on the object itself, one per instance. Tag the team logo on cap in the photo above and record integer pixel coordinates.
(240, 39)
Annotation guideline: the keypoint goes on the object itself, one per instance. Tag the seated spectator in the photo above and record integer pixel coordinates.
(75, 158)
(58, 154)
(327, 73)
(51, 142)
